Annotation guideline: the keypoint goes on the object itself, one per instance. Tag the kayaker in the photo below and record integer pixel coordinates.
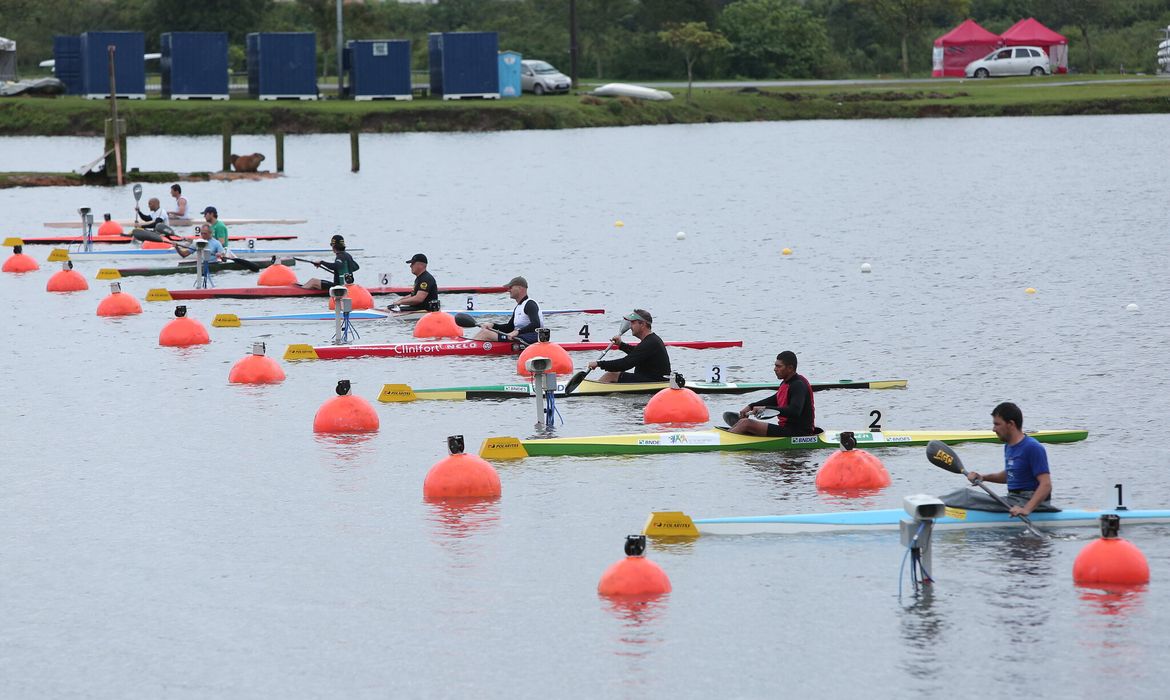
(155, 217)
(793, 400)
(214, 251)
(180, 211)
(526, 317)
(218, 228)
(343, 266)
(648, 359)
(425, 296)
(1025, 470)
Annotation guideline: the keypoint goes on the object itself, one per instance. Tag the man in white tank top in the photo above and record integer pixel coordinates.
(526, 317)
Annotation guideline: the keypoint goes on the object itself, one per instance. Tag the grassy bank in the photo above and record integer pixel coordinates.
(876, 100)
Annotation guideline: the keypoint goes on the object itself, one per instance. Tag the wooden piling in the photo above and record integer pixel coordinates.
(113, 155)
(280, 151)
(355, 163)
(227, 146)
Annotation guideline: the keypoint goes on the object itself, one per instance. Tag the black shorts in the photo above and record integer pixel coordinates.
(776, 430)
(635, 378)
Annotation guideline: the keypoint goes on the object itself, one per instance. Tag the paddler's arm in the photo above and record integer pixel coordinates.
(1041, 494)
(768, 401)
(183, 251)
(413, 299)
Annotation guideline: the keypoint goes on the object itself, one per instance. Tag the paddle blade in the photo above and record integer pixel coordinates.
(730, 418)
(137, 192)
(464, 321)
(246, 264)
(141, 234)
(940, 454)
(574, 382)
(624, 328)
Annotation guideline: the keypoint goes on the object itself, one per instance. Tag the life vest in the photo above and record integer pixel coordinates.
(782, 401)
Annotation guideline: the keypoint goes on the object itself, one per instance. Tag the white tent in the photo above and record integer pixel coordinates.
(7, 59)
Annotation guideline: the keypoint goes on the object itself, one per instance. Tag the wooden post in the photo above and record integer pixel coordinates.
(280, 151)
(355, 161)
(114, 116)
(115, 142)
(227, 146)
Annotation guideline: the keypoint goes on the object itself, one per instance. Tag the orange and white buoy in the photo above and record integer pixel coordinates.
(1111, 560)
(635, 576)
(276, 275)
(361, 297)
(461, 476)
(119, 303)
(67, 280)
(561, 362)
(345, 413)
(256, 368)
(849, 469)
(676, 404)
(110, 227)
(183, 331)
(19, 262)
(437, 324)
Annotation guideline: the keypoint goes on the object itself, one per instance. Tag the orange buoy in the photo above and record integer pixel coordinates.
(361, 297)
(852, 469)
(110, 227)
(561, 362)
(155, 245)
(634, 576)
(1111, 560)
(118, 303)
(276, 276)
(461, 476)
(256, 368)
(676, 404)
(67, 280)
(345, 413)
(183, 331)
(437, 324)
(19, 262)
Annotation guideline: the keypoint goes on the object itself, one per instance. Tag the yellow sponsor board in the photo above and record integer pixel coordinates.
(502, 448)
(159, 295)
(58, 255)
(670, 523)
(226, 321)
(108, 273)
(397, 393)
(300, 351)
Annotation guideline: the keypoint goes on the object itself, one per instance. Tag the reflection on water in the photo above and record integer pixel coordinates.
(453, 521)
(1113, 603)
(923, 626)
(785, 475)
(640, 632)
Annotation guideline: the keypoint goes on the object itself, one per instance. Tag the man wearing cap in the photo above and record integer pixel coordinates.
(426, 291)
(526, 317)
(218, 229)
(648, 358)
(342, 267)
(793, 402)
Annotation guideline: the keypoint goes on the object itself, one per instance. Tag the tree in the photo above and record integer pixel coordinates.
(907, 17)
(236, 17)
(772, 38)
(1080, 14)
(693, 39)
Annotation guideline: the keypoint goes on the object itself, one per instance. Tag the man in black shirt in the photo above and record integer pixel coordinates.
(648, 358)
(342, 267)
(793, 400)
(426, 291)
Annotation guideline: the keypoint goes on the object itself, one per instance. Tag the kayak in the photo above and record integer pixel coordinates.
(370, 315)
(186, 267)
(67, 240)
(163, 252)
(187, 222)
(720, 439)
(679, 524)
(396, 393)
(259, 292)
(460, 347)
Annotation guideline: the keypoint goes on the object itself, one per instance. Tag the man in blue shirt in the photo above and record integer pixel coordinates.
(1025, 470)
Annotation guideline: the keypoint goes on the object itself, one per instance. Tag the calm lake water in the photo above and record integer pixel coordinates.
(165, 534)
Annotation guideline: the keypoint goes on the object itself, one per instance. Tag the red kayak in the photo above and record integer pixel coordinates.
(68, 240)
(462, 347)
(295, 291)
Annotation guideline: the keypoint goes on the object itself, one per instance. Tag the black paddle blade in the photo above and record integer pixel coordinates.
(246, 264)
(940, 454)
(142, 234)
(465, 321)
(575, 381)
(730, 418)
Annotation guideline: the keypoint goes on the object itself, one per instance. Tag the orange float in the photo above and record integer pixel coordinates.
(118, 303)
(256, 368)
(1111, 560)
(849, 469)
(437, 324)
(345, 413)
(634, 576)
(67, 280)
(676, 405)
(362, 299)
(461, 476)
(110, 227)
(561, 362)
(183, 331)
(276, 276)
(18, 262)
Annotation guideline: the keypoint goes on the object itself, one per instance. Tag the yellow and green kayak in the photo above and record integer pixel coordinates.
(720, 439)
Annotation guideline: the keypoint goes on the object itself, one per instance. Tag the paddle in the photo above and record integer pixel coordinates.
(940, 454)
(579, 377)
(144, 235)
(732, 417)
(466, 321)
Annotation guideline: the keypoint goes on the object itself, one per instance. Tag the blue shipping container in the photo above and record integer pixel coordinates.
(67, 62)
(129, 66)
(465, 64)
(379, 69)
(510, 73)
(282, 64)
(194, 64)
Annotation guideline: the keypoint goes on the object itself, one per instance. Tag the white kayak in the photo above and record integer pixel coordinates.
(627, 90)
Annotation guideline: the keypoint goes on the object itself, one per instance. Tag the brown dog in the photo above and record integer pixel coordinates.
(247, 164)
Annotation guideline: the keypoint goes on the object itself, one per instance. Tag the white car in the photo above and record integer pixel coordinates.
(1011, 60)
(539, 78)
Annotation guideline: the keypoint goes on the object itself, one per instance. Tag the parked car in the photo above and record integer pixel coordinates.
(1011, 60)
(539, 77)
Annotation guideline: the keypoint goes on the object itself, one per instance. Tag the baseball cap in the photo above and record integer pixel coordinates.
(640, 315)
(337, 238)
(418, 257)
(517, 281)
(212, 210)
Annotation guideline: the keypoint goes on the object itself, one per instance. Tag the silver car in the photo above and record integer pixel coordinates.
(539, 78)
(1011, 60)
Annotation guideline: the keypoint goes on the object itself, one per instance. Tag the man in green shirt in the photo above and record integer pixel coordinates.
(218, 230)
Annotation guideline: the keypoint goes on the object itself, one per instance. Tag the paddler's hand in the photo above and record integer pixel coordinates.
(394, 308)
(513, 334)
(616, 340)
(1017, 511)
(486, 326)
(593, 365)
(976, 478)
(317, 263)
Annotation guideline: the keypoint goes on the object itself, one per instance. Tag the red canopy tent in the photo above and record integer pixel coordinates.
(958, 47)
(1029, 32)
